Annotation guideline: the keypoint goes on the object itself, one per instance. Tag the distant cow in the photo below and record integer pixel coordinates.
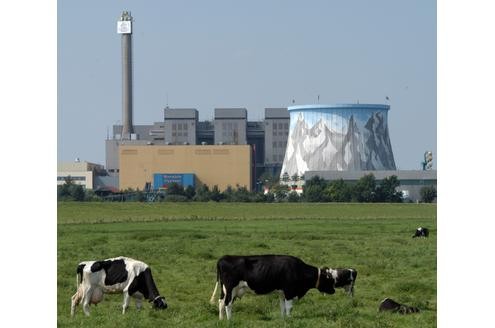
(263, 274)
(115, 275)
(421, 232)
(389, 304)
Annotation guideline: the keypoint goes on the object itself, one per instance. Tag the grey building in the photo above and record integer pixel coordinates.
(411, 181)
(180, 126)
(230, 126)
(276, 132)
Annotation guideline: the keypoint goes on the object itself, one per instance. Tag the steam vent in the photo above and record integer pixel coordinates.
(349, 137)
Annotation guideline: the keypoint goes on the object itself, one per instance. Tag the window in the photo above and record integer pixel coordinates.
(286, 126)
(274, 144)
(174, 126)
(179, 126)
(281, 144)
(274, 158)
(280, 126)
(274, 133)
(274, 126)
(179, 134)
(281, 158)
(174, 134)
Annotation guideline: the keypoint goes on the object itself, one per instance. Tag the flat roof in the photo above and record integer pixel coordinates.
(334, 106)
(230, 113)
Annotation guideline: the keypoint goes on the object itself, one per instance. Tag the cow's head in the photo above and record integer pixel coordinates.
(159, 303)
(326, 283)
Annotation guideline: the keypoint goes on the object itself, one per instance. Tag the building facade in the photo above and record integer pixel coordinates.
(81, 173)
(221, 165)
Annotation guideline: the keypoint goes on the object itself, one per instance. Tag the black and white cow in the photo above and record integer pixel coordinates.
(421, 232)
(263, 274)
(344, 278)
(389, 304)
(115, 275)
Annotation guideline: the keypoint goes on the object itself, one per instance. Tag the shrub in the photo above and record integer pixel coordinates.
(428, 194)
(293, 197)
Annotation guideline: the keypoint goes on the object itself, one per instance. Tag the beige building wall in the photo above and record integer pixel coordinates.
(84, 178)
(221, 165)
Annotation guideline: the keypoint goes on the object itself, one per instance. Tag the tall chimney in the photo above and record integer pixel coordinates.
(124, 27)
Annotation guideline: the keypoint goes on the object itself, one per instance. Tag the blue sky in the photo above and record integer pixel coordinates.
(256, 54)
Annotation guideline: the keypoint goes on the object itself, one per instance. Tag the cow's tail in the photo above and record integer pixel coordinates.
(212, 299)
(79, 273)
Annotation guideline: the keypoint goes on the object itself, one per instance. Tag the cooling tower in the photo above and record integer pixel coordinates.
(349, 137)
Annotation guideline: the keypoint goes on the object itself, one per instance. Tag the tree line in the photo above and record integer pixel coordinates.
(316, 189)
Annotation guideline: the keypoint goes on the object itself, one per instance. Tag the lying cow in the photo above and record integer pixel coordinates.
(115, 275)
(421, 232)
(389, 304)
(263, 274)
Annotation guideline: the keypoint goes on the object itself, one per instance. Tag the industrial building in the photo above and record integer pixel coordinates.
(348, 137)
(221, 165)
(230, 126)
(80, 172)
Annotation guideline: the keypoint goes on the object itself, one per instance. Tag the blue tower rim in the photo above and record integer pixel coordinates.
(337, 106)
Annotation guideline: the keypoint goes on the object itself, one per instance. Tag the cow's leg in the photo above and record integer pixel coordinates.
(127, 299)
(221, 302)
(229, 299)
(282, 304)
(139, 300)
(86, 299)
(288, 307)
(75, 300)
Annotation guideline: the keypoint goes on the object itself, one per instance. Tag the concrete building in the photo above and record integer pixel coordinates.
(221, 165)
(82, 173)
(230, 126)
(347, 137)
(411, 181)
(276, 132)
(180, 126)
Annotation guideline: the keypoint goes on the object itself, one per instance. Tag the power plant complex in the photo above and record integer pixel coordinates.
(343, 141)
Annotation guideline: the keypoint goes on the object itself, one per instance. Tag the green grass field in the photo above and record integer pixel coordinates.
(181, 243)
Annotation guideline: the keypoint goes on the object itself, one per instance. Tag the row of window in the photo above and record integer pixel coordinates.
(179, 126)
(179, 134)
(229, 126)
(280, 133)
(279, 157)
(281, 144)
(281, 126)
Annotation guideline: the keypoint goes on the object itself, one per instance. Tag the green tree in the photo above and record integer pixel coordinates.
(77, 193)
(387, 190)
(202, 193)
(215, 194)
(338, 191)
(313, 190)
(280, 191)
(293, 197)
(428, 194)
(364, 191)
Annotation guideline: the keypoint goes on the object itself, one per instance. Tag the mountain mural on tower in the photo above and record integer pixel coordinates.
(353, 145)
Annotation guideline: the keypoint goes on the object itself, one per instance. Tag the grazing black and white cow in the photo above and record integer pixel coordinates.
(344, 278)
(389, 304)
(115, 275)
(263, 274)
(421, 232)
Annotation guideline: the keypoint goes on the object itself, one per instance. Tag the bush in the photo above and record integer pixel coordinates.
(364, 191)
(387, 190)
(338, 191)
(202, 194)
(313, 190)
(293, 197)
(428, 194)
